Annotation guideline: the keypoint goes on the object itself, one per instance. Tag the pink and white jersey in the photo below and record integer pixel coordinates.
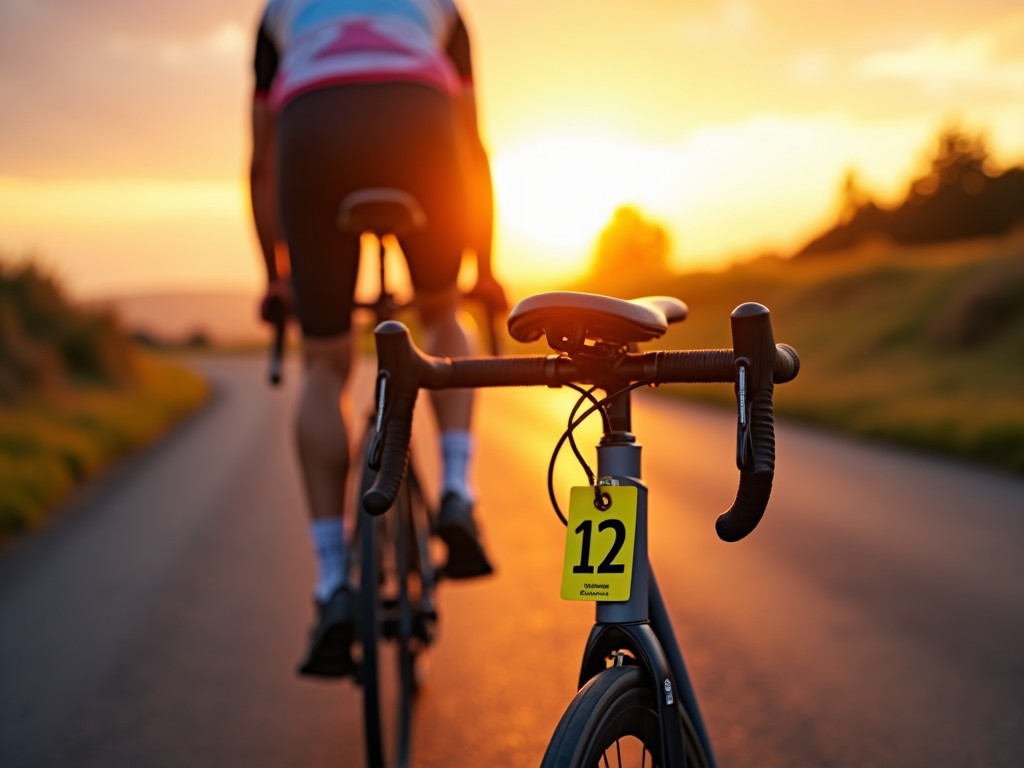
(308, 44)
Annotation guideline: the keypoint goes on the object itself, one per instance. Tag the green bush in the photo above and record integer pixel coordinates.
(48, 342)
(75, 395)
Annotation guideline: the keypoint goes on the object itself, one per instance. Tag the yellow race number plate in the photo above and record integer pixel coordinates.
(599, 545)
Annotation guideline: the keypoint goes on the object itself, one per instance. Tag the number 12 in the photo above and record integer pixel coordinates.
(585, 529)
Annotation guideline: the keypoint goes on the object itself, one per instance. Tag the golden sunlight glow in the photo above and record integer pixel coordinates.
(99, 201)
(118, 234)
(643, 104)
(554, 194)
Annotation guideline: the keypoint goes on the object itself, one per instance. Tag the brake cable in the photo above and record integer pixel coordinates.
(586, 395)
(596, 405)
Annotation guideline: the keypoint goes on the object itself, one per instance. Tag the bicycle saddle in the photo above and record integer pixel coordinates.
(569, 319)
(380, 211)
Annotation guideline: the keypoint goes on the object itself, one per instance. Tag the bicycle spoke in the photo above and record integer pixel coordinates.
(626, 757)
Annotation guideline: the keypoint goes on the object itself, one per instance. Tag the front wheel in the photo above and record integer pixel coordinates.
(386, 623)
(613, 721)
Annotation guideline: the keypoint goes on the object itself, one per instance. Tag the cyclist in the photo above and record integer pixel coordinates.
(351, 94)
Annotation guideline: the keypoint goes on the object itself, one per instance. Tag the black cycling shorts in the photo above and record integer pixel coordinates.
(337, 140)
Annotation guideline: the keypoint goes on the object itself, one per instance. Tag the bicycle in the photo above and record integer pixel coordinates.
(390, 560)
(635, 698)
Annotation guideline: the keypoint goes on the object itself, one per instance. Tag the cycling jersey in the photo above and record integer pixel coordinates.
(303, 45)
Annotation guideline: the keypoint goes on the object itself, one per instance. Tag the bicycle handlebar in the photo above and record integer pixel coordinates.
(754, 365)
(757, 358)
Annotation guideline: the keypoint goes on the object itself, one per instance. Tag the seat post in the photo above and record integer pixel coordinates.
(381, 253)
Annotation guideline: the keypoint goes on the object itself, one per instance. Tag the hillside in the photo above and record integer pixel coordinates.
(921, 345)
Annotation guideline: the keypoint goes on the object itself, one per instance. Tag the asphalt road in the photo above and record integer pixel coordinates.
(875, 618)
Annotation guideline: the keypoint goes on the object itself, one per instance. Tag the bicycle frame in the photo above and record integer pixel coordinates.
(638, 626)
(641, 625)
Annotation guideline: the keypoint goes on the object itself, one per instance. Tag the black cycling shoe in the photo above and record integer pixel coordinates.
(457, 529)
(330, 646)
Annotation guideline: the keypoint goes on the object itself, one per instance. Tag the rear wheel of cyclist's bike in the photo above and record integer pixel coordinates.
(386, 667)
(613, 721)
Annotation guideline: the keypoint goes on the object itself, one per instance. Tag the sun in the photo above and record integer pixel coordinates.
(554, 194)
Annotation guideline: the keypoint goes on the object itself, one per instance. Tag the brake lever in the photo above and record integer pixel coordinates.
(376, 445)
(744, 434)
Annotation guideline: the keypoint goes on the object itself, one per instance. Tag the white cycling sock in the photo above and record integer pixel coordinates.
(329, 545)
(456, 452)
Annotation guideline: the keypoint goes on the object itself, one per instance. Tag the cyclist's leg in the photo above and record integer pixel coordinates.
(456, 522)
(453, 408)
(321, 438)
(324, 263)
(444, 335)
(434, 255)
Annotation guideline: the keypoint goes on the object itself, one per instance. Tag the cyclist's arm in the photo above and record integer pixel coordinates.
(262, 171)
(263, 185)
(478, 172)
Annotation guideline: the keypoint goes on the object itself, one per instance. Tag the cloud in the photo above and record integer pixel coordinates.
(990, 59)
(811, 67)
(139, 91)
(730, 19)
(229, 42)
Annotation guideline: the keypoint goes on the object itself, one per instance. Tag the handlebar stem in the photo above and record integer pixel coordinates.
(618, 458)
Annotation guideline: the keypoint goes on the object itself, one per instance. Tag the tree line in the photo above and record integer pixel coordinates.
(962, 194)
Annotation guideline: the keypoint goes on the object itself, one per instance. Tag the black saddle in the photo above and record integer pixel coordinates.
(380, 211)
(569, 319)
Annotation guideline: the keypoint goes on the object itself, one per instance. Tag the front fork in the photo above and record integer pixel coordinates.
(636, 625)
(639, 640)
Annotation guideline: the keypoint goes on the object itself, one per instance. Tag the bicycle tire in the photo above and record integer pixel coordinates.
(364, 569)
(385, 629)
(401, 632)
(612, 721)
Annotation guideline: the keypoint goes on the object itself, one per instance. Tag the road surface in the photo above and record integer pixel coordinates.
(875, 618)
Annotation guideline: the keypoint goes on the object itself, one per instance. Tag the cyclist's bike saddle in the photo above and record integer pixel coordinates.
(382, 211)
(569, 319)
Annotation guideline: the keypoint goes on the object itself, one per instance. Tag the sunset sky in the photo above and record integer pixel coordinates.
(123, 136)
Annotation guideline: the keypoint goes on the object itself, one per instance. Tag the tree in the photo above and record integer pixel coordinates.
(961, 161)
(631, 243)
(852, 197)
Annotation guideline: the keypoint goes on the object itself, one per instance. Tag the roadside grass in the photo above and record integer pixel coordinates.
(52, 441)
(918, 346)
